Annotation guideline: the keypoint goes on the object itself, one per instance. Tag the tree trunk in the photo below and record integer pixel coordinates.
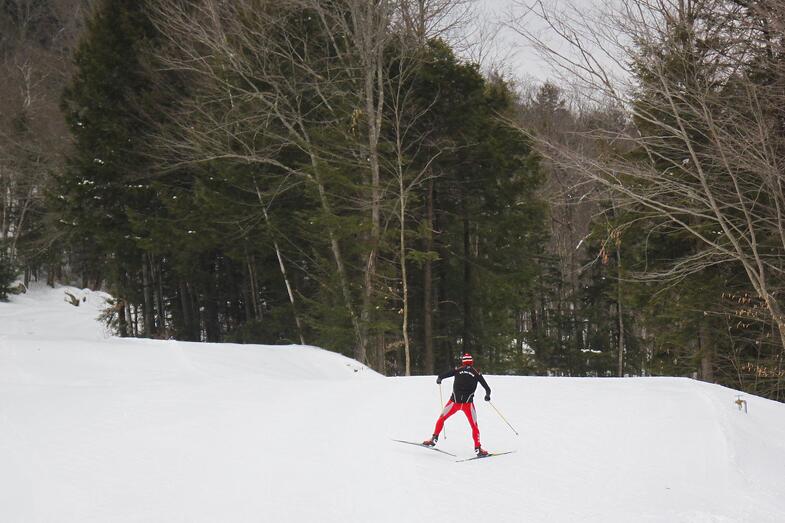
(360, 335)
(5, 206)
(778, 392)
(185, 305)
(289, 290)
(706, 352)
(20, 224)
(428, 360)
(619, 311)
(443, 351)
(197, 326)
(161, 301)
(148, 297)
(136, 321)
(247, 294)
(211, 320)
(371, 50)
(467, 279)
(122, 306)
(122, 322)
(130, 327)
(381, 354)
(253, 291)
(212, 328)
(405, 283)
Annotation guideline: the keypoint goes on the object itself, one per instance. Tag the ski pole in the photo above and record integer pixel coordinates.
(505, 419)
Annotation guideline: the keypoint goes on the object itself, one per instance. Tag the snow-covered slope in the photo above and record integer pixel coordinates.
(100, 429)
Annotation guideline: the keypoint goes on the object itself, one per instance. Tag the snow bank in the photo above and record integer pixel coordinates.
(100, 429)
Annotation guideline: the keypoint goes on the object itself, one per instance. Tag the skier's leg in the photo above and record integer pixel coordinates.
(471, 415)
(449, 409)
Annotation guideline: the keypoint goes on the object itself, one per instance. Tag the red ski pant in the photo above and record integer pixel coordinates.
(471, 414)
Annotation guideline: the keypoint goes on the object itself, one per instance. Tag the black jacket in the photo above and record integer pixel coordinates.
(466, 379)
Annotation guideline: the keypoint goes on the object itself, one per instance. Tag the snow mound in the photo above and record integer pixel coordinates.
(101, 429)
(57, 342)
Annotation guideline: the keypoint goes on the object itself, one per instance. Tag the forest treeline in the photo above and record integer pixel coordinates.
(333, 173)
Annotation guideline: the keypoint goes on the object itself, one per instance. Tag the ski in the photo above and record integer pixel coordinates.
(490, 455)
(425, 447)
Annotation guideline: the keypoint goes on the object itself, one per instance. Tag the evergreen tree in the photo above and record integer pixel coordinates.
(266, 239)
(8, 273)
(107, 171)
(488, 219)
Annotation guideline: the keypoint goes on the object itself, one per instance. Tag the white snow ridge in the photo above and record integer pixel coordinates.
(101, 429)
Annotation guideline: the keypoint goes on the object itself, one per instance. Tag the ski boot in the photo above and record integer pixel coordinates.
(431, 442)
(481, 452)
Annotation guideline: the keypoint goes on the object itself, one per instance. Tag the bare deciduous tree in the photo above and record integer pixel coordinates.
(702, 85)
(268, 78)
(36, 38)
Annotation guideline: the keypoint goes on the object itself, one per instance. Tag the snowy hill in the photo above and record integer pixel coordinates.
(100, 429)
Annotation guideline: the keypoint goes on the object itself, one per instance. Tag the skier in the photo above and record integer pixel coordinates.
(462, 398)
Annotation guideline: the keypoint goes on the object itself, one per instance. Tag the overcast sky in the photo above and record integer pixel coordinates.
(520, 58)
(509, 46)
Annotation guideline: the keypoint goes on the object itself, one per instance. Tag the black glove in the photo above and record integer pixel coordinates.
(487, 397)
(438, 381)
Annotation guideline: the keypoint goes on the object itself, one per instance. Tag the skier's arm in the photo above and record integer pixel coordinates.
(445, 375)
(485, 386)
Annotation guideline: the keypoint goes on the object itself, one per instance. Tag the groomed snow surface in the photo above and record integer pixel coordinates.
(101, 429)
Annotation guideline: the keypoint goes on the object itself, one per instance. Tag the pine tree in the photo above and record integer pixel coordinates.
(487, 223)
(8, 273)
(106, 171)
